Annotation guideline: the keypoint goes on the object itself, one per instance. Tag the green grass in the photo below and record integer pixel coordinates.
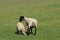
(47, 12)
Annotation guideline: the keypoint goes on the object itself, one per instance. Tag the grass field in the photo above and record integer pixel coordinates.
(47, 12)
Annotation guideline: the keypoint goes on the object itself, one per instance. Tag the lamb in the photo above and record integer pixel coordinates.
(21, 27)
(30, 23)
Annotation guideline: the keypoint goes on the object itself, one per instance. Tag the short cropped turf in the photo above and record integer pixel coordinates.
(47, 13)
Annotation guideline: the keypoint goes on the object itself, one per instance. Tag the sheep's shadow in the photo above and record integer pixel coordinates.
(20, 33)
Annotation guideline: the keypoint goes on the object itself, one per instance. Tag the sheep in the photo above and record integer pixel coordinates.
(30, 23)
(20, 27)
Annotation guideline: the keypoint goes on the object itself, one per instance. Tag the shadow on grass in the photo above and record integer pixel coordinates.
(20, 33)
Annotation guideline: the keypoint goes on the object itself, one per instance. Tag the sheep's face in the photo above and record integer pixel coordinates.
(21, 18)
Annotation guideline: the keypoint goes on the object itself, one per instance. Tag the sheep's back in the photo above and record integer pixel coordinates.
(32, 22)
(20, 26)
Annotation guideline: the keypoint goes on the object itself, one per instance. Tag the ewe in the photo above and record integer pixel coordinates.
(30, 23)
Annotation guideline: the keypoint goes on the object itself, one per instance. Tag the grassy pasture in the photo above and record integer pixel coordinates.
(47, 12)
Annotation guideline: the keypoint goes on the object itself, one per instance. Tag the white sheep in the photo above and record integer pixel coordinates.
(20, 27)
(30, 23)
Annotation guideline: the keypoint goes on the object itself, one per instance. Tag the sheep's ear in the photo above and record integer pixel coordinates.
(21, 18)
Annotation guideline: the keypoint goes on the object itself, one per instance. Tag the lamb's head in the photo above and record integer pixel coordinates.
(21, 18)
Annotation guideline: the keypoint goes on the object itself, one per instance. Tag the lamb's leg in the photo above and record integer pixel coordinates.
(24, 33)
(17, 30)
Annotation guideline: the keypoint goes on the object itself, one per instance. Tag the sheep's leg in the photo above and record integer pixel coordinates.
(17, 30)
(28, 30)
(31, 30)
(24, 33)
(35, 30)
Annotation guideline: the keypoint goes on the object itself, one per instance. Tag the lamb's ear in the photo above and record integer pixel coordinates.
(21, 18)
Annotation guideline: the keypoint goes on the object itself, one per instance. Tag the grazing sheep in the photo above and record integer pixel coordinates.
(20, 27)
(30, 23)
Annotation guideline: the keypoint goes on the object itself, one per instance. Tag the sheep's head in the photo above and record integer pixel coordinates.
(21, 18)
